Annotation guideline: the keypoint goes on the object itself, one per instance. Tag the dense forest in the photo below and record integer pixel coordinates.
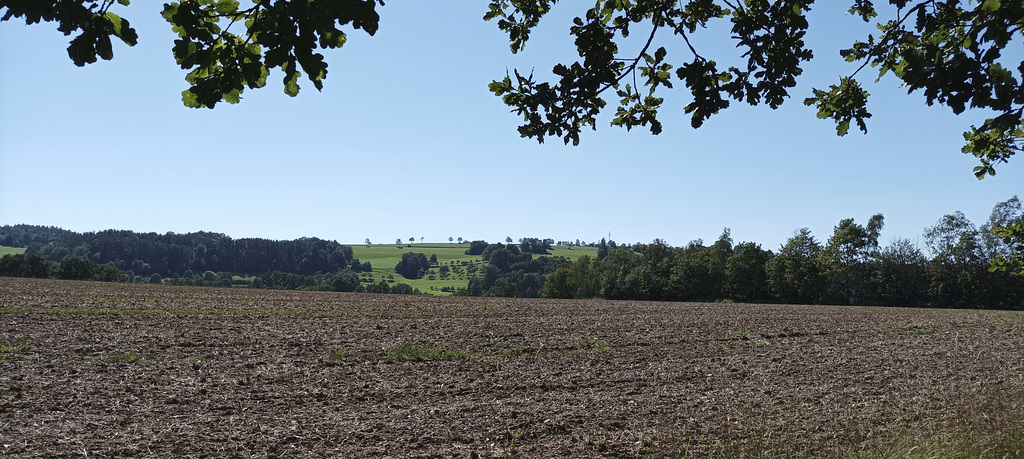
(952, 269)
(169, 254)
(849, 268)
(201, 258)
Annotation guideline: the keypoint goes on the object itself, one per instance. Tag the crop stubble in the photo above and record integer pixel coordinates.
(114, 370)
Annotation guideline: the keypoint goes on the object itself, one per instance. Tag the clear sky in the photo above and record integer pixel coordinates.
(406, 141)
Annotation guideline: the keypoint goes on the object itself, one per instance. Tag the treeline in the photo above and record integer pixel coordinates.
(531, 245)
(169, 254)
(79, 268)
(196, 259)
(31, 235)
(70, 268)
(512, 272)
(849, 268)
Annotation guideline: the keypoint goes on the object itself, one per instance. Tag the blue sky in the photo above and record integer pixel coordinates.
(406, 141)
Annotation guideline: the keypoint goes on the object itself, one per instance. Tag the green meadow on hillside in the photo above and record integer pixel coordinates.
(11, 250)
(384, 257)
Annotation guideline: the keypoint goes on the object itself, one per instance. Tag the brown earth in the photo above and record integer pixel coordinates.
(115, 370)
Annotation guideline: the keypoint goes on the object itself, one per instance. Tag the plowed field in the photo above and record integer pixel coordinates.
(115, 370)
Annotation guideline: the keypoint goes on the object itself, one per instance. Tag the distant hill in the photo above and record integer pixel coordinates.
(208, 258)
(170, 253)
(28, 235)
(454, 267)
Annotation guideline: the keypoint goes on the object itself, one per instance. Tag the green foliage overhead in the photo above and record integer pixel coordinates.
(225, 46)
(93, 22)
(954, 52)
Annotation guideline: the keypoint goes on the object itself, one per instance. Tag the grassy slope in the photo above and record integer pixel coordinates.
(573, 252)
(10, 250)
(384, 257)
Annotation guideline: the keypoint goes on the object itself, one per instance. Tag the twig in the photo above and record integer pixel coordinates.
(885, 37)
(632, 67)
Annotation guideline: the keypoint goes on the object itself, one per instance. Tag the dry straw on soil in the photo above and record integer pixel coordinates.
(108, 370)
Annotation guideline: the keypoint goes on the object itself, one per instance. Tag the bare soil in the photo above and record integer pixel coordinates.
(116, 370)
